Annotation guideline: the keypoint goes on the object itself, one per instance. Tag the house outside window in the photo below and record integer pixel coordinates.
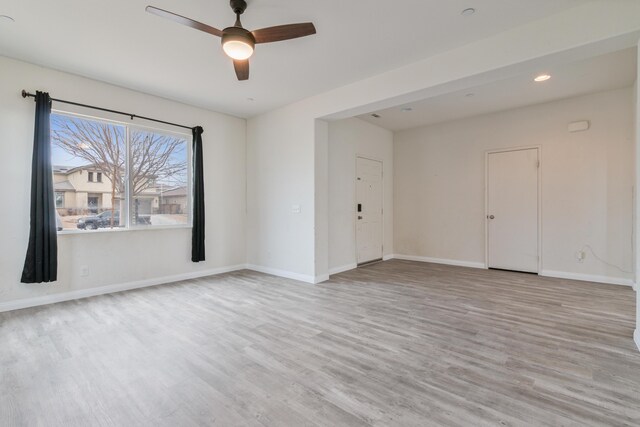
(130, 172)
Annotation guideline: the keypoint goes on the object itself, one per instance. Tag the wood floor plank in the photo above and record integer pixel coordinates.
(394, 343)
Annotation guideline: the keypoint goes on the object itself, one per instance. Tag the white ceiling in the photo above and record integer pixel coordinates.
(610, 71)
(118, 42)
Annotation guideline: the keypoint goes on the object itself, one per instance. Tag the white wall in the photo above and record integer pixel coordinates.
(124, 256)
(587, 183)
(287, 244)
(348, 139)
(281, 174)
(321, 202)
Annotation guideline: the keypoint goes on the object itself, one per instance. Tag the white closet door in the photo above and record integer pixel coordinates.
(512, 205)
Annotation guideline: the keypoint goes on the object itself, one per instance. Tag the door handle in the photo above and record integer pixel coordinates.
(491, 217)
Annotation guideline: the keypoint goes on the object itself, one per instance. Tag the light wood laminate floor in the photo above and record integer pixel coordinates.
(397, 343)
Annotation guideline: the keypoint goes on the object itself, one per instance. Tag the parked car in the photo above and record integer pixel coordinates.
(102, 220)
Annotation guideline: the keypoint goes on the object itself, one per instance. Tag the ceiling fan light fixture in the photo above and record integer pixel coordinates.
(238, 45)
(237, 49)
(237, 42)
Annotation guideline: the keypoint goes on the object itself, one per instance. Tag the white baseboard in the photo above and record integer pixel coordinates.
(321, 278)
(85, 293)
(455, 262)
(288, 274)
(546, 273)
(342, 269)
(587, 277)
(353, 266)
(636, 338)
(108, 289)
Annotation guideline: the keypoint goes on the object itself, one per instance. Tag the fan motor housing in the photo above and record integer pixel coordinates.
(238, 34)
(238, 6)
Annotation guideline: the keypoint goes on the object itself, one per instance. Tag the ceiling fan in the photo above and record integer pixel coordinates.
(237, 42)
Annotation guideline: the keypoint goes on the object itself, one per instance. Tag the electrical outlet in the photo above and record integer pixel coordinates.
(580, 256)
(84, 271)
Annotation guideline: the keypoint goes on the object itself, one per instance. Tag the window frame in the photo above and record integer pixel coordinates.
(55, 198)
(128, 225)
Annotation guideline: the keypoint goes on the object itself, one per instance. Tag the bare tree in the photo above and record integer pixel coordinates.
(154, 157)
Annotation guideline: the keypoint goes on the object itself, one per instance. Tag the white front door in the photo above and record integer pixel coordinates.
(512, 210)
(368, 210)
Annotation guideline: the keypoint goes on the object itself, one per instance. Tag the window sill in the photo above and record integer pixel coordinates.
(124, 230)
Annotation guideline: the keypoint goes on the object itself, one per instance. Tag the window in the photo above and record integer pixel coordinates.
(96, 175)
(135, 177)
(59, 200)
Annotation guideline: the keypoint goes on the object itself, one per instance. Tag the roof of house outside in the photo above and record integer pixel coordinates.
(63, 186)
(175, 192)
(66, 170)
(71, 169)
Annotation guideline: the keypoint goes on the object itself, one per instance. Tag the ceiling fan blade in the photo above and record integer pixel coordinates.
(184, 21)
(283, 32)
(242, 69)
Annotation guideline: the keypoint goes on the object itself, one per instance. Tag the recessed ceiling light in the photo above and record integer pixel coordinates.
(251, 99)
(470, 95)
(406, 109)
(6, 18)
(377, 116)
(468, 12)
(542, 78)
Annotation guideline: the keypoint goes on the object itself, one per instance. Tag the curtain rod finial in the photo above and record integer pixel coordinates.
(24, 93)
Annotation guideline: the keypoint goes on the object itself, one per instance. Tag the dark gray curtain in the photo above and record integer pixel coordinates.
(41, 263)
(197, 237)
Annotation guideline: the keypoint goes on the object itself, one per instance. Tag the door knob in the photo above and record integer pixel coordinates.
(491, 217)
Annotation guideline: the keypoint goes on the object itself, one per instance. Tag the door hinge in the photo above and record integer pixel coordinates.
(538, 165)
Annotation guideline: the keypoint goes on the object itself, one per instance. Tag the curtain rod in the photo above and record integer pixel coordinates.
(26, 94)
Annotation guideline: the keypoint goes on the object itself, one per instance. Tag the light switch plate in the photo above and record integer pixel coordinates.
(295, 209)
